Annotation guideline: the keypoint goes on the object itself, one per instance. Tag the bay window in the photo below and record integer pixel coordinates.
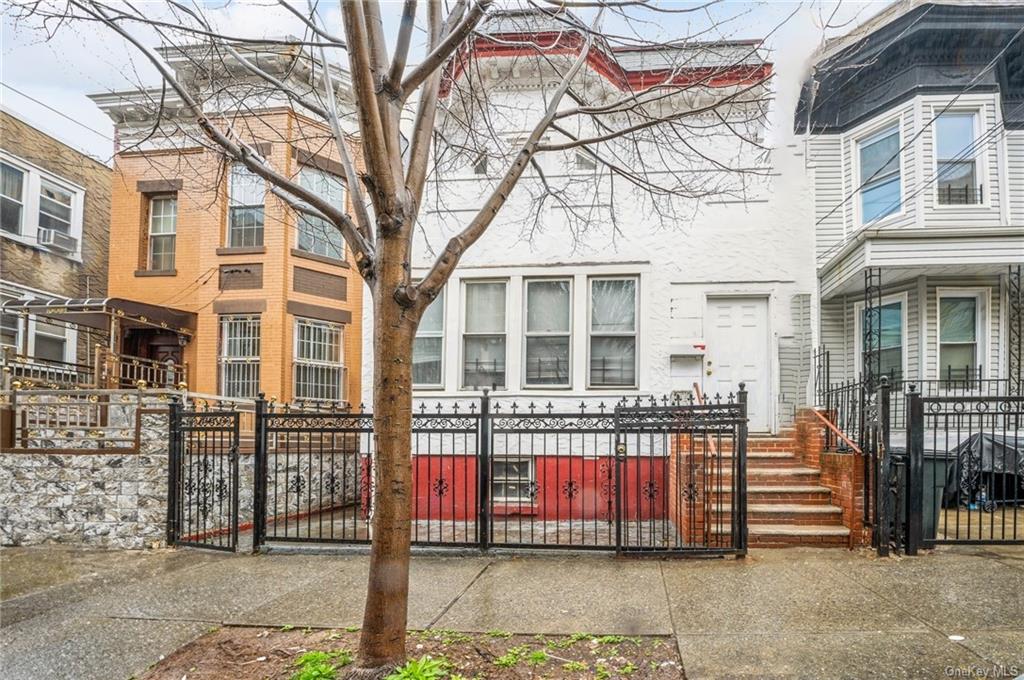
(613, 356)
(483, 340)
(246, 198)
(958, 338)
(428, 347)
(318, 235)
(163, 227)
(957, 175)
(547, 331)
(879, 157)
(319, 361)
(239, 355)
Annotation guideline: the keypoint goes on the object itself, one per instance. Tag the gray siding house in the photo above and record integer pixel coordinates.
(914, 135)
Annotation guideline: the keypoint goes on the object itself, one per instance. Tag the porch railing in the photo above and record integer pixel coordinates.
(108, 371)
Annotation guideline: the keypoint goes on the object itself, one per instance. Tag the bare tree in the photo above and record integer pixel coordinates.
(667, 122)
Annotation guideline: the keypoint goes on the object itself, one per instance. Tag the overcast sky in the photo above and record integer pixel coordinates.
(46, 82)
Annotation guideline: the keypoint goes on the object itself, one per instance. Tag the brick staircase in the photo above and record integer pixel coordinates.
(787, 505)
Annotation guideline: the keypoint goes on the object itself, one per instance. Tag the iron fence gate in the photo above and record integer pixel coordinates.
(203, 478)
(955, 474)
(647, 476)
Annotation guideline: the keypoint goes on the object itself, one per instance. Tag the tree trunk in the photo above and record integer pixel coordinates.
(382, 641)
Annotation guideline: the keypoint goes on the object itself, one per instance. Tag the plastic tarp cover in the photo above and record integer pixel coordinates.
(975, 463)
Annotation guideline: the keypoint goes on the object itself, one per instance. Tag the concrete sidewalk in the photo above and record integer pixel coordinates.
(787, 613)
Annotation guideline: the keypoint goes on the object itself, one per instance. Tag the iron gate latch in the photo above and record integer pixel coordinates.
(620, 451)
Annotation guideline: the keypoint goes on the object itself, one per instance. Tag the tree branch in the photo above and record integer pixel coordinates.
(440, 54)
(402, 45)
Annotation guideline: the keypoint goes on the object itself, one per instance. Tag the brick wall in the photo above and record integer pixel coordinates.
(842, 473)
(201, 228)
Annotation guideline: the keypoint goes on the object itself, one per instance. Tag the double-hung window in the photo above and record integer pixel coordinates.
(246, 198)
(958, 338)
(483, 341)
(955, 157)
(163, 227)
(887, 322)
(548, 335)
(318, 235)
(10, 326)
(879, 174)
(55, 205)
(428, 347)
(319, 364)
(239, 355)
(50, 341)
(613, 334)
(12, 198)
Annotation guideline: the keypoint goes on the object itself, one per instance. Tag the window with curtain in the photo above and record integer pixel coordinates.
(613, 332)
(319, 361)
(958, 338)
(317, 235)
(239, 355)
(483, 341)
(12, 198)
(547, 330)
(163, 227)
(880, 175)
(428, 347)
(889, 318)
(246, 198)
(54, 207)
(50, 341)
(957, 182)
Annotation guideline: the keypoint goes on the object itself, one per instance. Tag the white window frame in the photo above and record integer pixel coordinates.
(18, 330)
(874, 133)
(531, 478)
(535, 334)
(463, 332)
(324, 365)
(223, 359)
(437, 334)
(858, 329)
(229, 240)
(21, 200)
(173, 234)
(31, 187)
(635, 333)
(979, 157)
(300, 217)
(981, 334)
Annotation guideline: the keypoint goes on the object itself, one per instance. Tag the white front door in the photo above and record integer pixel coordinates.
(736, 331)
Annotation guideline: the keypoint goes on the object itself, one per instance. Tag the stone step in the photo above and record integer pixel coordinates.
(788, 493)
(790, 535)
(788, 513)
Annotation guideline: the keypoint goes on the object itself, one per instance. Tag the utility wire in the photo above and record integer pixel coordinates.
(59, 113)
(913, 139)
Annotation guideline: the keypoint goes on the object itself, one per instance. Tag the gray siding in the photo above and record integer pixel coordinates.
(1015, 175)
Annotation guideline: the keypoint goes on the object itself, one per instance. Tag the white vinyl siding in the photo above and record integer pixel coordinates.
(1015, 175)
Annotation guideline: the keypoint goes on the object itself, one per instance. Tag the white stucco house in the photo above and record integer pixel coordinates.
(601, 296)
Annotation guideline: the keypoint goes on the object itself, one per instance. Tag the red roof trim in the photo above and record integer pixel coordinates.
(562, 42)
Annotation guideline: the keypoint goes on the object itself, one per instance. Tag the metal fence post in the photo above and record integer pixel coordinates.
(483, 523)
(173, 465)
(740, 479)
(885, 510)
(259, 475)
(915, 471)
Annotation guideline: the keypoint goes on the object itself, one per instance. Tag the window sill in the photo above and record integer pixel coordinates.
(156, 272)
(319, 258)
(505, 510)
(241, 250)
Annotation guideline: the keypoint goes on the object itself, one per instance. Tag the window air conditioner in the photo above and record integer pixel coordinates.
(57, 240)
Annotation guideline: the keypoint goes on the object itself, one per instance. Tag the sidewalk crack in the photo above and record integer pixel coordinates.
(451, 603)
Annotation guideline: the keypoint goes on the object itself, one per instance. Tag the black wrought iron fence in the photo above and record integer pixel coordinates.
(637, 476)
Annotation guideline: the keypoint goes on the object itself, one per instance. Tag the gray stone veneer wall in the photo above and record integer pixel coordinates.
(105, 500)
